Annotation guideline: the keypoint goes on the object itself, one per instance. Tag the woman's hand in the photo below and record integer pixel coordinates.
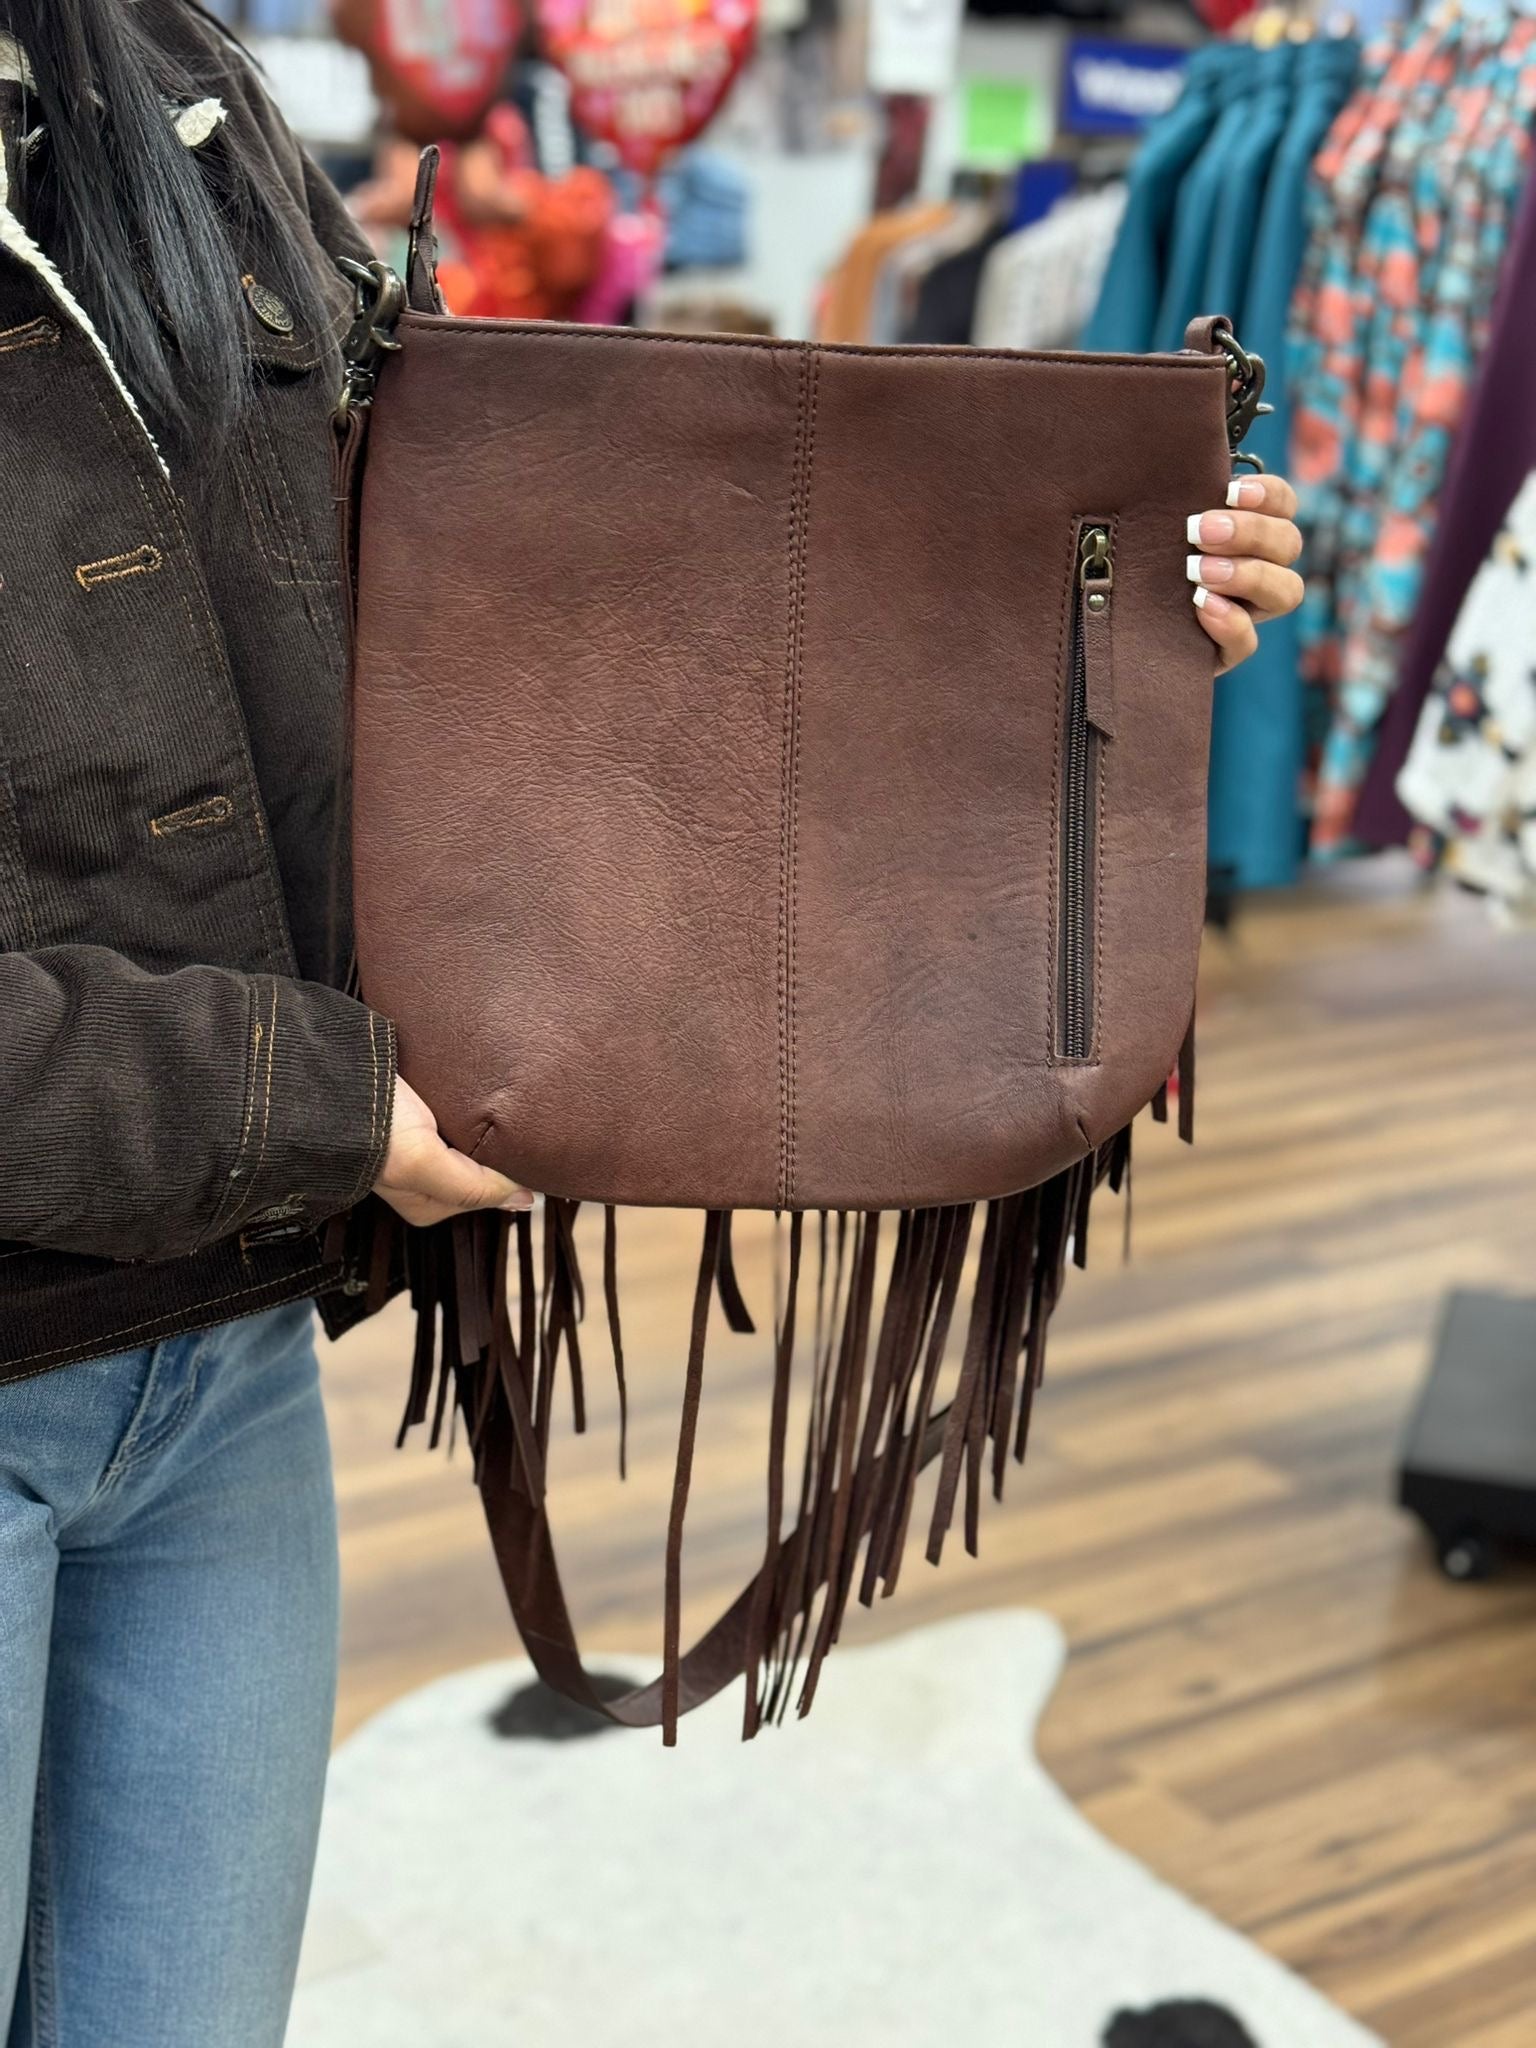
(425, 1180)
(1242, 573)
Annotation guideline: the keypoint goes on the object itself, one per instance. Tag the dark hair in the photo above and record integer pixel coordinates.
(147, 231)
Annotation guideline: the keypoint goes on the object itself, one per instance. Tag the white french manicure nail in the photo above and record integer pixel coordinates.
(1202, 597)
(1235, 491)
(1192, 531)
(1192, 567)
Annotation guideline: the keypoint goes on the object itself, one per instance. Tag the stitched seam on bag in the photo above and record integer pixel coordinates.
(1063, 691)
(531, 331)
(795, 623)
(154, 1326)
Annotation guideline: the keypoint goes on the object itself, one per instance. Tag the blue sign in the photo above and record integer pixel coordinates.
(1112, 88)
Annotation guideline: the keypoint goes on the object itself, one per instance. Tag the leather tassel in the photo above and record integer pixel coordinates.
(1187, 1085)
(737, 1314)
(778, 1431)
(688, 1428)
(875, 1369)
(615, 1329)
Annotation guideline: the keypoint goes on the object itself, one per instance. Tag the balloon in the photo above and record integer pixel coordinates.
(438, 65)
(647, 75)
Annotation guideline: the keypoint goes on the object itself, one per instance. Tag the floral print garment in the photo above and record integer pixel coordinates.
(1411, 203)
(1470, 776)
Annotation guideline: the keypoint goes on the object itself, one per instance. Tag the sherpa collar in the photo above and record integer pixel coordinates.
(194, 124)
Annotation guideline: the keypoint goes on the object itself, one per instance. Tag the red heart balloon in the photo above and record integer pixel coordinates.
(647, 75)
(438, 65)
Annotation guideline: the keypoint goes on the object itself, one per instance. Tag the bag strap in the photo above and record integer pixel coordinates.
(792, 1575)
(422, 291)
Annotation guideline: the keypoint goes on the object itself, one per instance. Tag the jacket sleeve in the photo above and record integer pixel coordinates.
(143, 1116)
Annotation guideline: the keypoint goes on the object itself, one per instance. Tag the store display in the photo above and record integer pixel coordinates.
(859, 799)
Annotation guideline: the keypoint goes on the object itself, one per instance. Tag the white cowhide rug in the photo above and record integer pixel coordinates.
(895, 1872)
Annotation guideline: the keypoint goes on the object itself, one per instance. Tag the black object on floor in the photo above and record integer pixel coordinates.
(1469, 1462)
(537, 1713)
(1181, 2023)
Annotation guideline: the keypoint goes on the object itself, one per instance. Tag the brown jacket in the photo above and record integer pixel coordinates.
(185, 1092)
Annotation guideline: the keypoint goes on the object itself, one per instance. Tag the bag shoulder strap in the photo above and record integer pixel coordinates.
(422, 291)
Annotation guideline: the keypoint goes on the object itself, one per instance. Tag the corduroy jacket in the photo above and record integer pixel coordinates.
(186, 1092)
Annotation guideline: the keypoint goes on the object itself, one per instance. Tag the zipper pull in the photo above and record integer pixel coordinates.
(1096, 611)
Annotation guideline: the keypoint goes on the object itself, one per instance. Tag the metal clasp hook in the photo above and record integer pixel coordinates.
(1245, 402)
(378, 300)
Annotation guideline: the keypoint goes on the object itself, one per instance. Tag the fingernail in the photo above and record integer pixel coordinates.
(1208, 569)
(1245, 490)
(1208, 601)
(1210, 529)
(521, 1202)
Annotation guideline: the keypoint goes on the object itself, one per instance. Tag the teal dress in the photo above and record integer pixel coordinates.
(1126, 313)
(1199, 203)
(1257, 733)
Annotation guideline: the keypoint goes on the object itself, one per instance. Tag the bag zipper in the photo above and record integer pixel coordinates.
(1089, 718)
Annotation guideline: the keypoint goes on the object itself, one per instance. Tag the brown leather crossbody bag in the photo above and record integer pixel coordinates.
(779, 783)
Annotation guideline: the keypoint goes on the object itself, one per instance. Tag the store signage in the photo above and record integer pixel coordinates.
(1110, 88)
(438, 65)
(1003, 123)
(647, 75)
(913, 45)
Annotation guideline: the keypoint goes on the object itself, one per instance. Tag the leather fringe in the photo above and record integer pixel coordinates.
(499, 1320)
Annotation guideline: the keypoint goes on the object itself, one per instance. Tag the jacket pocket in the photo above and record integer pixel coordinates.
(18, 922)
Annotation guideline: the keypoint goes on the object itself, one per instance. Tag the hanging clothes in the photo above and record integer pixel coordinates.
(1495, 451)
(1412, 205)
(1257, 744)
(849, 294)
(905, 273)
(1198, 205)
(1245, 178)
(1126, 314)
(1470, 776)
(1039, 285)
(945, 309)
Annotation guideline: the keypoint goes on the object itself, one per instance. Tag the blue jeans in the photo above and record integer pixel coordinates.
(168, 1627)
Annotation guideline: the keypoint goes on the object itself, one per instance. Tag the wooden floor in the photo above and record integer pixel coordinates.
(1273, 1698)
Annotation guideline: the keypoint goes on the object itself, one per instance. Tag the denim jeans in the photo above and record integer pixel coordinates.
(168, 1623)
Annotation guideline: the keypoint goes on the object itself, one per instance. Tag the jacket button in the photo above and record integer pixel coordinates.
(267, 306)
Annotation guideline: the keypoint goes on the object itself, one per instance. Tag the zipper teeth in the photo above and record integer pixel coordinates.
(1075, 864)
(1077, 851)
